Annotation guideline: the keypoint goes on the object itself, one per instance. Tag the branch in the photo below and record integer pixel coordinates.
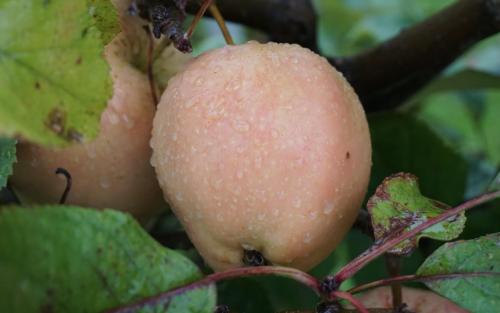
(378, 249)
(165, 297)
(389, 74)
(291, 21)
(415, 278)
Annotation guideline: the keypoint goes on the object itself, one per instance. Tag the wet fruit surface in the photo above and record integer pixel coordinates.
(262, 147)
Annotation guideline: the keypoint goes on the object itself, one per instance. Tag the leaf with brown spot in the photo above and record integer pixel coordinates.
(51, 58)
(398, 206)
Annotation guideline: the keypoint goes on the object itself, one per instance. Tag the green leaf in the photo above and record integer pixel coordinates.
(402, 143)
(54, 82)
(398, 206)
(7, 159)
(477, 294)
(69, 259)
(105, 18)
(491, 127)
(467, 79)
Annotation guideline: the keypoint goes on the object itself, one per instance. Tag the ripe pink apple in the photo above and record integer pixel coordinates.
(419, 301)
(262, 147)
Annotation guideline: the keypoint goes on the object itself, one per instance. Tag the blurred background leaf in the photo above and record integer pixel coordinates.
(7, 159)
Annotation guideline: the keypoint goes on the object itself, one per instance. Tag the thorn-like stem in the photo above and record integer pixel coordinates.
(199, 14)
(151, 77)
(69, 182)
(416, 278)
(214, 10)
(393, 265)
(349, 297)
(380, 248)
(165, 297)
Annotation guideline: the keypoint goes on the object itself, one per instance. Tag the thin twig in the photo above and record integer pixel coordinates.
(393, 265)
(290, 21)
(199, 14)
(378, 249)
(151, 77)
(416, 278)
(214, 10)
(349, 297)
(389, 74)
(165, 297)
(69, 182)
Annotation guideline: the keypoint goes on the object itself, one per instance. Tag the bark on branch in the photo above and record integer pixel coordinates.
(291, 21)
(387, 75)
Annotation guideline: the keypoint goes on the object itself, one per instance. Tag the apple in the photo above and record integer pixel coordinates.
(112, 171)
(419, 301)
(262, 147)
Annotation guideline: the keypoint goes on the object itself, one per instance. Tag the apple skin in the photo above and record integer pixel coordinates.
(419, 301)
(112, 171)
(262, 147)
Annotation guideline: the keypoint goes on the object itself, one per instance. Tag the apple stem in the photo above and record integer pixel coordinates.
(254, 258)
(349, 297)
(199, 14)
(379, 248)
(165, 297)
(69, 182)
(417, 278)
(151, 78)
(214, 10)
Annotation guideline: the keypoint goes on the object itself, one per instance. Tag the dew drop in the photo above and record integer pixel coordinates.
(258, 162)
(129, 123)
(217, 184)
(179, 196)
(113, 118)
(34, 162)
(307, 238)
(328, 209)
(313, 215)
(91, 152)
(104, 183)
(261, 216)
(276, 212)
(239, 174)
(241, 126)
(220, 217)
(198, 81)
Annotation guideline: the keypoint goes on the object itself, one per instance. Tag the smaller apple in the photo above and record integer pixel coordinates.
(112, 171)
(418, 301)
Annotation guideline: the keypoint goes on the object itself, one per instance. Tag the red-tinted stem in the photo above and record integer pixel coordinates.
(349, 297)
(165, 297)
(201, 12)
(417, 278)
(379, 248)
